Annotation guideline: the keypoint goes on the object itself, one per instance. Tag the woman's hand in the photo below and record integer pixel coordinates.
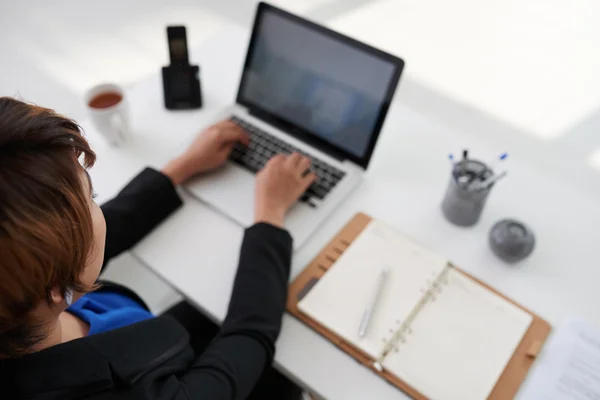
(209, 150)
(279, 185)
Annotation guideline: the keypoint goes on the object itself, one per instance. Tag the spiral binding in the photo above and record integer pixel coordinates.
(400, 335)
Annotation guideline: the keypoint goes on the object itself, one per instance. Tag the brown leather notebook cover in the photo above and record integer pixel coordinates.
(511, 379)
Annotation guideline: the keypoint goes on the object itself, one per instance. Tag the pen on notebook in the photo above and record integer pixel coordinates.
(366, 318)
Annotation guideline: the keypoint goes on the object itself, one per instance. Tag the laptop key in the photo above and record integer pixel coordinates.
(263, 147)
(317, 191)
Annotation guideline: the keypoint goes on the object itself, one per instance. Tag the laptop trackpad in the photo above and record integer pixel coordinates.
(229, 189)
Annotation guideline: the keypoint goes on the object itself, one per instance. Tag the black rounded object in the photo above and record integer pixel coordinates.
(511, 240)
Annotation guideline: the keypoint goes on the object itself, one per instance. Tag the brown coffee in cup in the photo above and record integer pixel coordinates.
(105, 100)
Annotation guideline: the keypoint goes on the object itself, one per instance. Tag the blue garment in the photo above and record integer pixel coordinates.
(104, 311)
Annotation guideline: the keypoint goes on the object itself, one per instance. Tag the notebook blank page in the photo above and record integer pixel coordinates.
(460, 343)
(340, 297)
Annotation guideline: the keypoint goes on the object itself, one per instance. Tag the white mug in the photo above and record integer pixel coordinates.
(112, 121)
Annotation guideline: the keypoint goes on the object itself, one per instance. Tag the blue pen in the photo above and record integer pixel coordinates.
(492, 165)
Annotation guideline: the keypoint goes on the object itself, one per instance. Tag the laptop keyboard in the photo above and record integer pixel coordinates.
(264, 146)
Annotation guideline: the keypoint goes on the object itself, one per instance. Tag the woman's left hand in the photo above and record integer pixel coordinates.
(209, 150)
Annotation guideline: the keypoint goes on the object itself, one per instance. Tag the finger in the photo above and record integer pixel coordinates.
(307, 180)
(303, 165)
(293, 159)
(276, 159)
(233, 135)
(226, 123)
(245, 139)
(220, 127)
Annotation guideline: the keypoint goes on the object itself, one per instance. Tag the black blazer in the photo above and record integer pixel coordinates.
(153, 359)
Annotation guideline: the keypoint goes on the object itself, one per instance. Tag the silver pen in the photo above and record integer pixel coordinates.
(489, 182)
(366, 318)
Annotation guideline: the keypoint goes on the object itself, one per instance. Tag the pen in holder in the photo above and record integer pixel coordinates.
(470, 184)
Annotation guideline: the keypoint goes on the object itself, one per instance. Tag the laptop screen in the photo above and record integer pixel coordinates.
(324, 83)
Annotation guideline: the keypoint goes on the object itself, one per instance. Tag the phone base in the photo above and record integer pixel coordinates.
(181, 86)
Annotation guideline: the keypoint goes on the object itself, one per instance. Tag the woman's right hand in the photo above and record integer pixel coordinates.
(279, 185)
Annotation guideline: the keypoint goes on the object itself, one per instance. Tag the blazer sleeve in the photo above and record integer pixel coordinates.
(139, 207)
(234, 361)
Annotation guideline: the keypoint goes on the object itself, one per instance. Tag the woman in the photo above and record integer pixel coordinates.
(66, 335)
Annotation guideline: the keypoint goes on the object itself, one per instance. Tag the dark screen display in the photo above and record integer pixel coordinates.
(179, 49)
(318, 83)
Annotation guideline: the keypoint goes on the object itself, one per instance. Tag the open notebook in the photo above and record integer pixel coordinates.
(435, 328)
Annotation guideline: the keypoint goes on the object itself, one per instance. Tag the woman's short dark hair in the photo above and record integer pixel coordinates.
(46, 230)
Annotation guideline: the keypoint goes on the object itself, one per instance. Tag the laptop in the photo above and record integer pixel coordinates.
(308, 89)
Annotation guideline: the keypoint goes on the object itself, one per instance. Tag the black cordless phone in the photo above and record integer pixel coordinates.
(178, 45)
(181, 81)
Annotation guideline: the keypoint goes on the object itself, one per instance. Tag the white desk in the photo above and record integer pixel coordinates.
(497, 56)
(196, 249)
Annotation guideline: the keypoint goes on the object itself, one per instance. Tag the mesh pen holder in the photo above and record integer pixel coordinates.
(465, 198)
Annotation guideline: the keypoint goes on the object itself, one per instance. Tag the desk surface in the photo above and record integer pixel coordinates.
(196, 250)
(499, 57)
